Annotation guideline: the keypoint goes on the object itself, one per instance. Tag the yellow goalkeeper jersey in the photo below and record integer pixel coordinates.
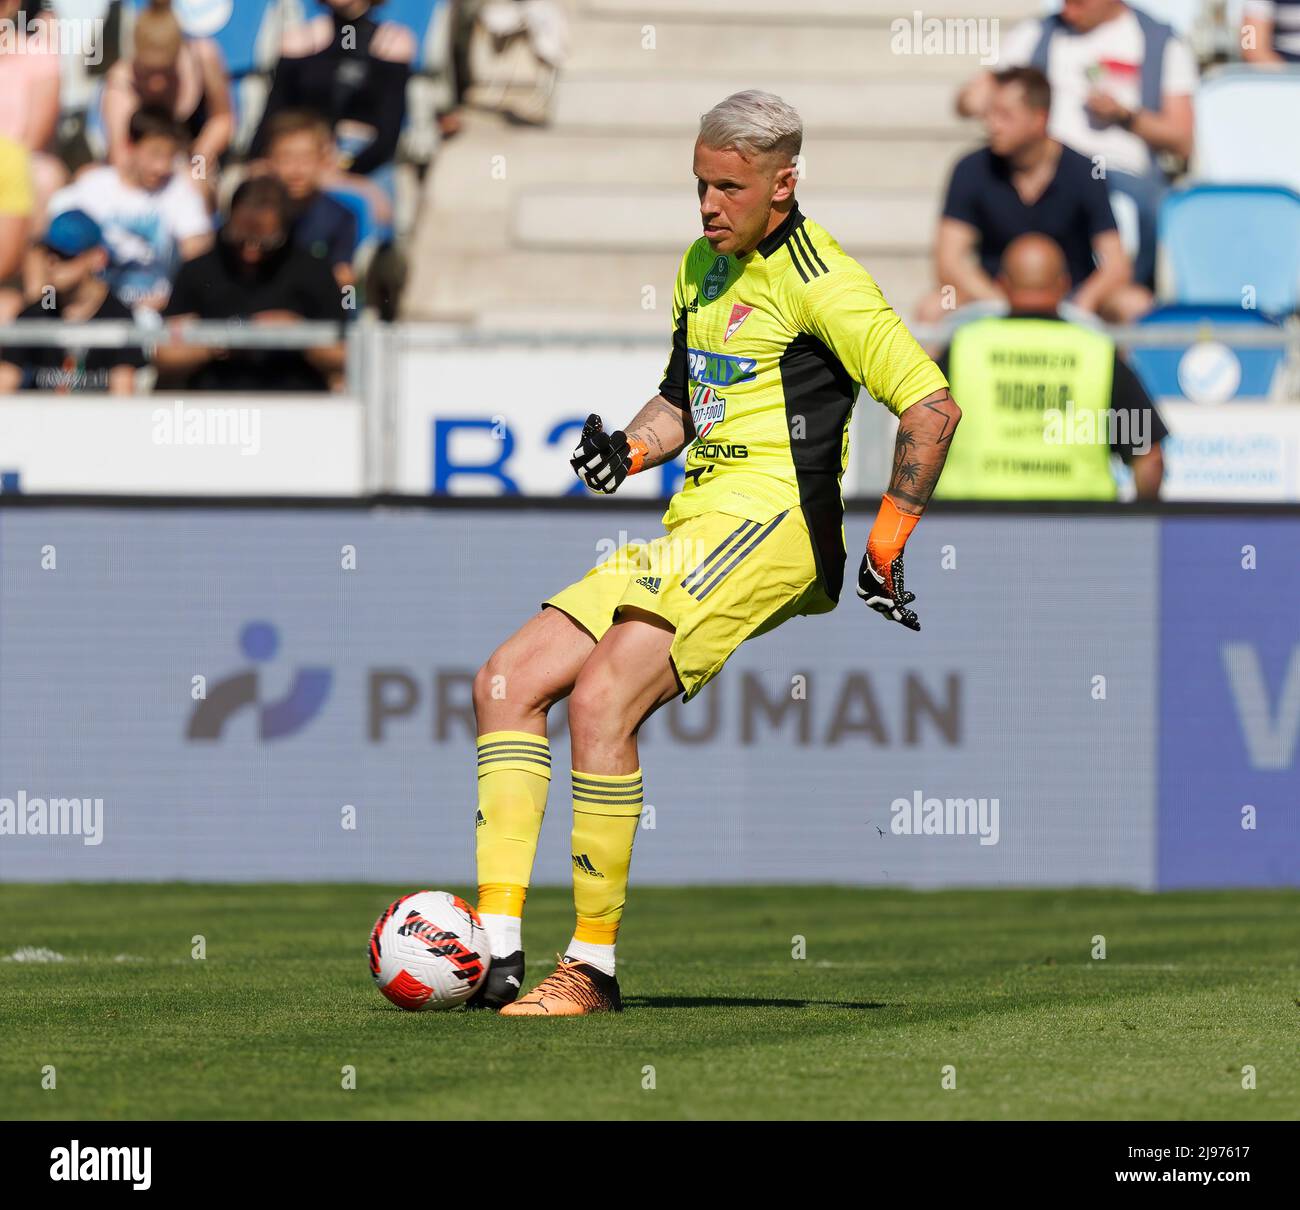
(768, 353)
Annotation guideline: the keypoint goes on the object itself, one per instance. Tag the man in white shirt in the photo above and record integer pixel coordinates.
(1122, 87)
(152, 216)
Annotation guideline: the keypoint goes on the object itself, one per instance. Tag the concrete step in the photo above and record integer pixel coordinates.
(605, 219)
(483, 169)
(702, 44)
(610, 291)
(740, 13)
(910, 106)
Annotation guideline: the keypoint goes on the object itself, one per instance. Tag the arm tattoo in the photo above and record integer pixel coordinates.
(663, 427)
(924, 434)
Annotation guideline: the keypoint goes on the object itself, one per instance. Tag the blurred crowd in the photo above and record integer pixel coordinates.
(154, 208)
(1089, 120)
(179, 198)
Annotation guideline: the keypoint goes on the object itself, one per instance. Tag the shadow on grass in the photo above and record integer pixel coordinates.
(744, 1002)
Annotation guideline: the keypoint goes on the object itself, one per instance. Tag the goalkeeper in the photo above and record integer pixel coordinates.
(775, 327)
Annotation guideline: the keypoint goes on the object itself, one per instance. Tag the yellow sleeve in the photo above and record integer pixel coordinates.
(846, 311)
(15, 180)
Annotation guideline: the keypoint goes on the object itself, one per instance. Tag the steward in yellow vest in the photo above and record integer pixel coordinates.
(1044, 401)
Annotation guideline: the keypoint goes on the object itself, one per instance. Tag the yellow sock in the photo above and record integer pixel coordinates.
(514, 772)
(605, 813)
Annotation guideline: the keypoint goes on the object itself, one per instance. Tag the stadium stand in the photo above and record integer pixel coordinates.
(1245, 126)
(568, 225)
(1220, 241)
(1260, 371)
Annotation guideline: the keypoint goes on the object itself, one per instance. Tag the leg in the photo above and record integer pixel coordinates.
(626, 678)
(513, 691)
(531, 671)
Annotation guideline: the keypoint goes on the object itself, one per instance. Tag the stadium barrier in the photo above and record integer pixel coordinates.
(430, 409)
(284, 693)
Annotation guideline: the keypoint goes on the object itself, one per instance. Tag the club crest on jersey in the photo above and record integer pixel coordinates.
(719, 370)
(738, 316)
(707, 409)
(715, 280)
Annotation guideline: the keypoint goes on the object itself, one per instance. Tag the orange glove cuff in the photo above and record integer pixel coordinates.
(638, 451)
(890, 532)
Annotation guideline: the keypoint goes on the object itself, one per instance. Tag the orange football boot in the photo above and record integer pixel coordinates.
(573, 989)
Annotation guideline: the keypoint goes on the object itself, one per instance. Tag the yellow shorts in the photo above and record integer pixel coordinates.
(717, 579)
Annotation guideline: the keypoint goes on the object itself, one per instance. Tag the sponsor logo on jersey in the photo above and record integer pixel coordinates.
(715, 280)
(651, 583)
(738, 316)
(718, 369)
(707, 409)
(707, 450)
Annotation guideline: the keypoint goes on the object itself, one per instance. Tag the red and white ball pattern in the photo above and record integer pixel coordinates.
(429, 950)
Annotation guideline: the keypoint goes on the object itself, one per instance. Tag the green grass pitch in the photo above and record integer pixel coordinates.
(721, 1020)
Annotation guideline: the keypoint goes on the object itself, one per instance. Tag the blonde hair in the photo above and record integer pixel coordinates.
(158, 35)
(753, 123)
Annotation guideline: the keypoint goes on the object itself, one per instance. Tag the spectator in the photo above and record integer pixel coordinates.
(185, 77)
(74, 257)
(152, 216)
(255, 273)
(1122, 84)
(17, 206)
(1270, 31)
(1044, 402)
(29, 97)
(353, 70)
(1025, 181)
(299, 148)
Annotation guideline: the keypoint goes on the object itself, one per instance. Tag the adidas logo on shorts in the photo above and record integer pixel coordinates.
(650, 583)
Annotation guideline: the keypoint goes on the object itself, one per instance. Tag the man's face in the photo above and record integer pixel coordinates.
(1083, 15)
(298, 160)
(153, 159)
(66, 273)
(1013, 125)
(737, 194)
(254, 232)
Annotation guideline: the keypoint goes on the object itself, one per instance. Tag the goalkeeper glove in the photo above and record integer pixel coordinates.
(880, 578)
(603, 460)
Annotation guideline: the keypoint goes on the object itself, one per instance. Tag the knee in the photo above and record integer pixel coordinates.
(493, 682)
(510, 686)
(596, 711)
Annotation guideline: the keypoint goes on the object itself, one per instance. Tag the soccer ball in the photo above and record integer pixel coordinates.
(429, 950)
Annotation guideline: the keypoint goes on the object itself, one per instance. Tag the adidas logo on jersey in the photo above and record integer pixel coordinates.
(480, 819)
(582, 862)
(650, 583)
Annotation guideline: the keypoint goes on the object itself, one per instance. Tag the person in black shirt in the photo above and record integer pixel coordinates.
(72, 260)
(1024, 182)
(352, 69)
(298, 144)
(255, 273)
